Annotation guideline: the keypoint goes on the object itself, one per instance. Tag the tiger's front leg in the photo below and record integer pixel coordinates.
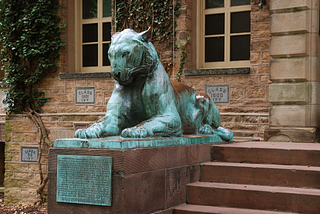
(111, 124)
(164, 119)
(164, 125)
(101, 128)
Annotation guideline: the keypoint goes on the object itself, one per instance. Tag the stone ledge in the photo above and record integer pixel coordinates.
(85, 75)
(217, 71)
(117, 142)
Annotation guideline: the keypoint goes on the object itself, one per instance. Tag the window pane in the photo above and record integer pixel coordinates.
(240, 22)
(106, 61)
(240, 2)
(106, 8)
(214, 3)
(214, 49)
(89, 9)
(107, 31)
(90, 55)
(214, 24)
(240, 48)
(90, 33)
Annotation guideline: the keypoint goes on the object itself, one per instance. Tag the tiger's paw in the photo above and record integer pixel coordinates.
(136, 132)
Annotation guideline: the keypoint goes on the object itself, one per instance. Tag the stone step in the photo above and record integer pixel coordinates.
(304, 154)
(287, 199)
(199, 209)
(261, 174)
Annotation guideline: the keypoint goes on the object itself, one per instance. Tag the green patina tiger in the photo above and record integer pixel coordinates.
(144, 102)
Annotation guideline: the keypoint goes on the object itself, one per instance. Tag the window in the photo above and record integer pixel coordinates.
(223, 33)
(93, 35)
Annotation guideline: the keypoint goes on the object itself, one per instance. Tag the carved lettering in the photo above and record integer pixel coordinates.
(85, 95)
(84, 179)
(218, 93)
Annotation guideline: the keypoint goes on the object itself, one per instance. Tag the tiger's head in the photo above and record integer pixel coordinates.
(131, 55)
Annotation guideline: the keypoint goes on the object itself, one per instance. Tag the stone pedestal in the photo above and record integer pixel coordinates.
(148, 175)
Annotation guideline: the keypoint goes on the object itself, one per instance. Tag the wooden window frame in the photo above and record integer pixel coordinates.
(78, 38)
(227, 10)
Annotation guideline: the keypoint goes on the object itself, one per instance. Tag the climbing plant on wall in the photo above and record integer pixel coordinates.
(139, 15)
(30, 40)
(159, 14)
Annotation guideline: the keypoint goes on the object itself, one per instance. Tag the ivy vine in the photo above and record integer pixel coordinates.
(30, 40)
(183, 57)
(160, 15)
(139, 15)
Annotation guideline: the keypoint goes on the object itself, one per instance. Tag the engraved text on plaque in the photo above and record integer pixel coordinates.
(218, 93)
(85, 95)
(84, 179)
(29, 154)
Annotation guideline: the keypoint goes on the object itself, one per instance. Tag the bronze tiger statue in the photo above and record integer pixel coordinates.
(144, 102)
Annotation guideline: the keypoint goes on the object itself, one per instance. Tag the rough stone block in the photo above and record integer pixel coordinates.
(58, 84)
(294, 22)
(242, 80)
(50, 108)
(260, 16)
(69, 108)
(295, 115)
(256, 92)
(294, 93)
(260, 44)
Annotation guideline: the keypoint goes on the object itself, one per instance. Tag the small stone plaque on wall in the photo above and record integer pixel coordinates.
(85, 95)
(29, 154)
(84, 179)
(218, 93)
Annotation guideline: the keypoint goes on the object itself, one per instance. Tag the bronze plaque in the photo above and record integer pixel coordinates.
(84, 179)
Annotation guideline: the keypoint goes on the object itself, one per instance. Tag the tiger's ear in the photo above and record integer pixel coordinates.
(114, 35)
(145, 36)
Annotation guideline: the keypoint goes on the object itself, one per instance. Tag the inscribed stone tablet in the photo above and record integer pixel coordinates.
(29, 154)
(84, 179)
(218, 93)
(85, 95)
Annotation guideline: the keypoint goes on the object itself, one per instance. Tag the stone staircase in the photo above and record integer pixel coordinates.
(257, 177)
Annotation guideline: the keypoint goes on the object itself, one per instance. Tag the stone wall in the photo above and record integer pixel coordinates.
(249, 92)
(23, 178)
(295, 113)
(246, 114)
